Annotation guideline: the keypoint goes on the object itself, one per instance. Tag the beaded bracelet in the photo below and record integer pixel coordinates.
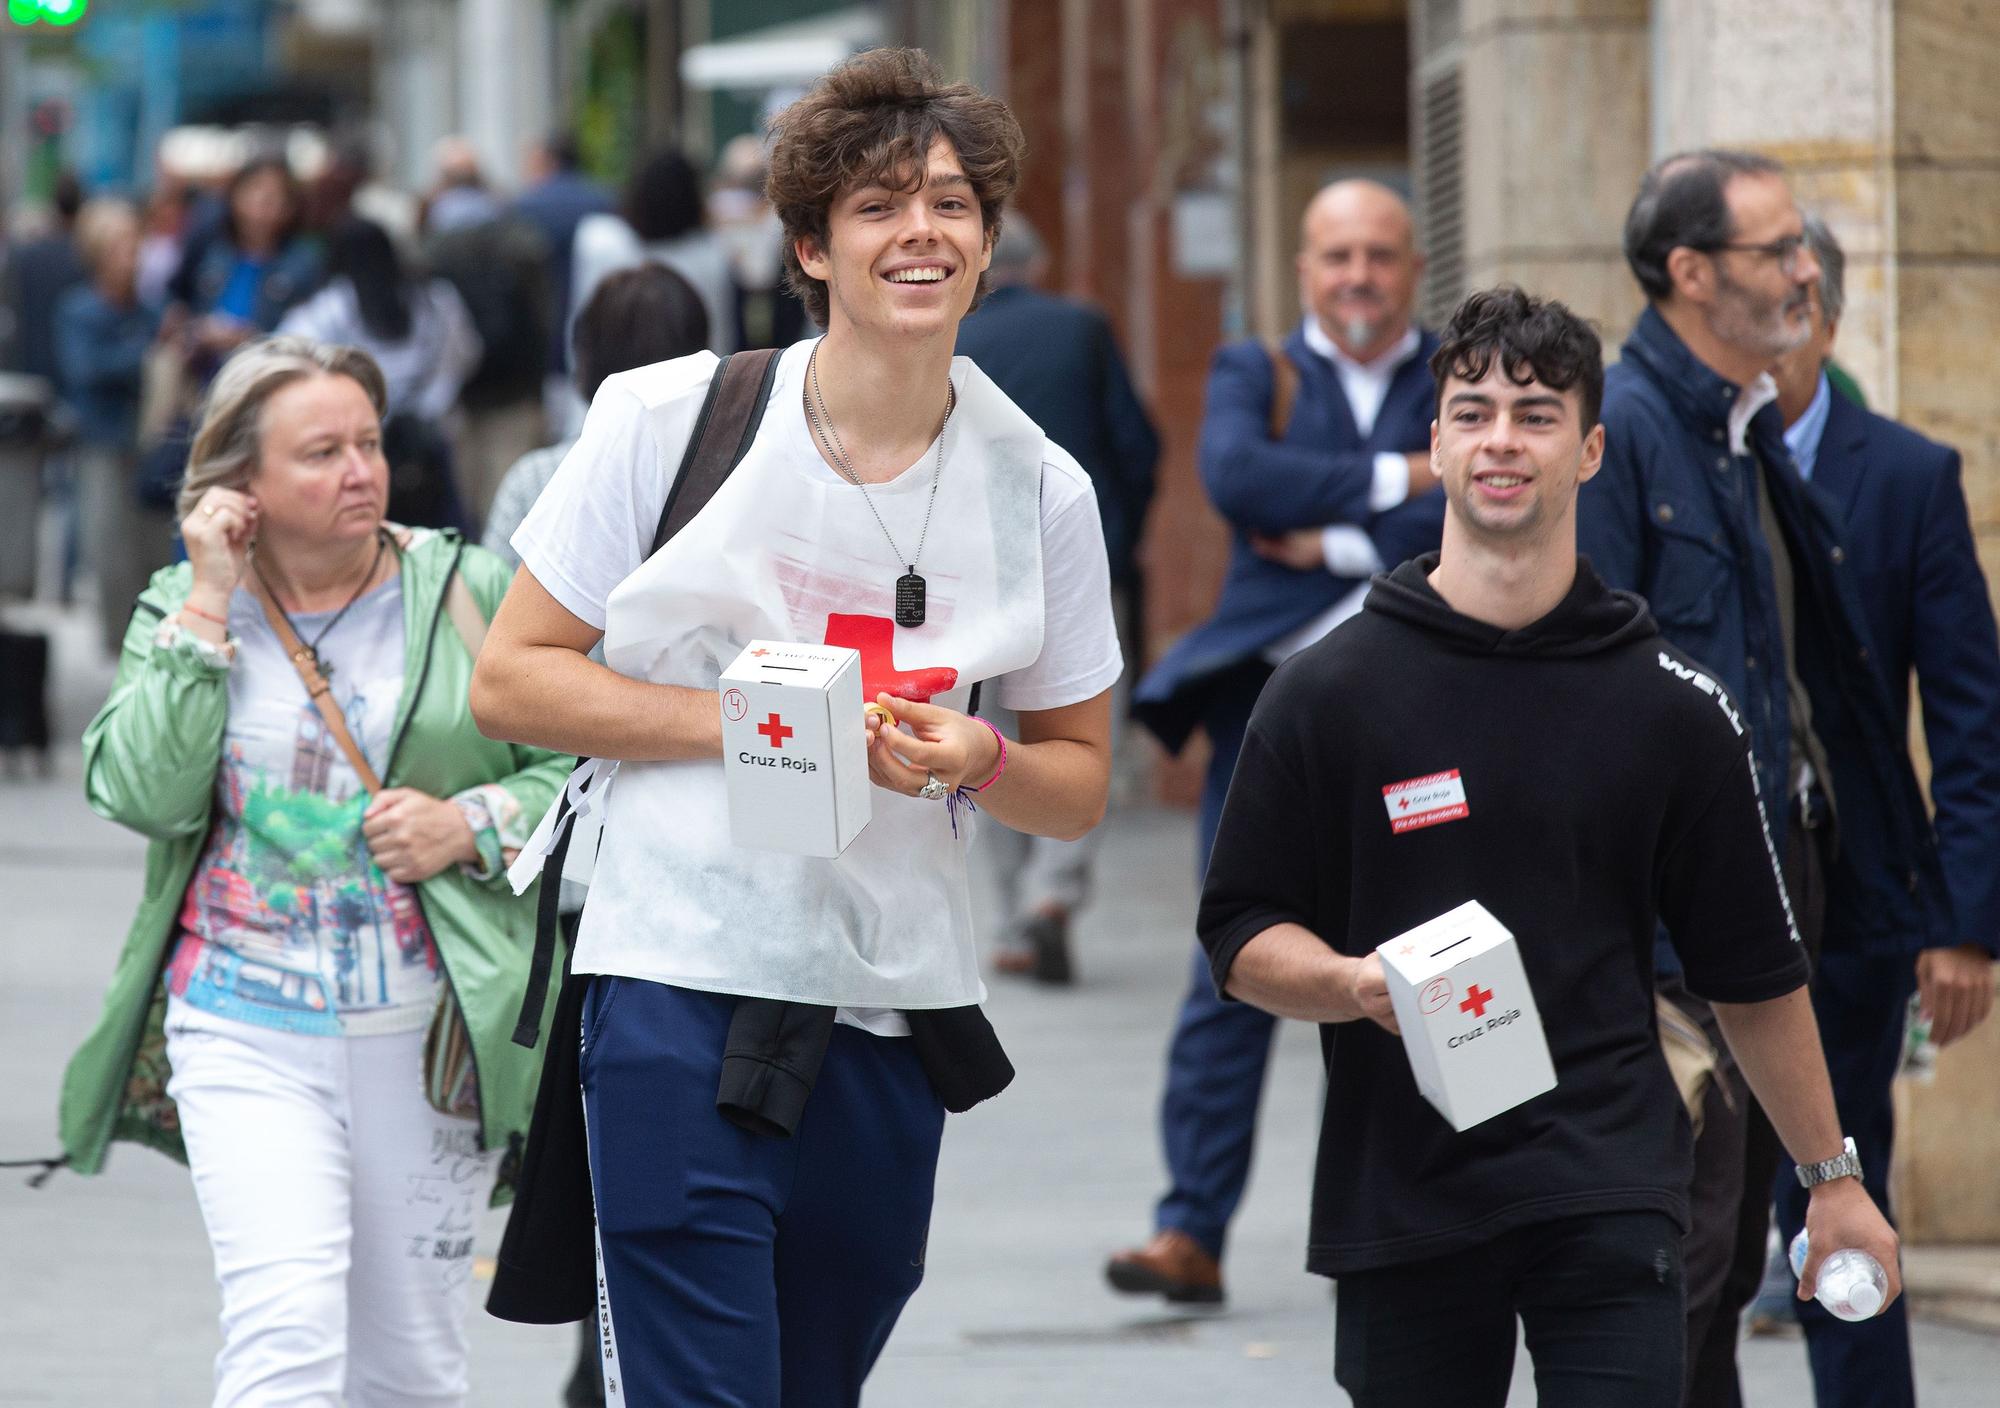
(999, 768)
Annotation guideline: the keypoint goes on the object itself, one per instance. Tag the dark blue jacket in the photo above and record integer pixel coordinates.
(293, 276)
(36, 276)
(1673, 515)
(1910, 544)
(100, 356)
(1320, 473)
(1057, 360)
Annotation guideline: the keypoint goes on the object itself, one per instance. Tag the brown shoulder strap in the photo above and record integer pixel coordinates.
(737, 395)
(1284, 386)
(316, 686)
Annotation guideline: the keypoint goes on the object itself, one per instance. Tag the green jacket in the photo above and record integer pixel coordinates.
(150, 758)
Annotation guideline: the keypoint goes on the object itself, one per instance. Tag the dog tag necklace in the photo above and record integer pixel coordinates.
(909, 586)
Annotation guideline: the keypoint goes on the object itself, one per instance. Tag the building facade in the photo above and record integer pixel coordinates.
(1173, 144)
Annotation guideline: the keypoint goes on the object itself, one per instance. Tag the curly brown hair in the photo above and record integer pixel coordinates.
(874, 119)
(1533, 339)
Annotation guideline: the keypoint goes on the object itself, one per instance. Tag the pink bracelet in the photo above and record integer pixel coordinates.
(999, 738)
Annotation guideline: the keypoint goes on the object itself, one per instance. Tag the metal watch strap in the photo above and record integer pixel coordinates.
(1846, 1165)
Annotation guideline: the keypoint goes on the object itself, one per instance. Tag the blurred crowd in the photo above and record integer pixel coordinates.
(465, 293)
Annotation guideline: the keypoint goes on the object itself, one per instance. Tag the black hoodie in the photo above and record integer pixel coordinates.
(1606, 787)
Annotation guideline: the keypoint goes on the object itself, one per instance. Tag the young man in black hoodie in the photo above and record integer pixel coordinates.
(1607, 790)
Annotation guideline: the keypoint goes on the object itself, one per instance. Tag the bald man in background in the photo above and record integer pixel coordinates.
(1316, 451)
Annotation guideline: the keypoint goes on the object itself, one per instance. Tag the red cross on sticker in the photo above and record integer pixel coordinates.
(1476, 999)
(775, 729)
(1425, 801)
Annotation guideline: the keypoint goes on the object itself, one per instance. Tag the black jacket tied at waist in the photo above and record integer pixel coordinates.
(546, 1271)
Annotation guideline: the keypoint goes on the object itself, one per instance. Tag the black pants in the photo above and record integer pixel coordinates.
(1599, 1298)
(1736, 1162)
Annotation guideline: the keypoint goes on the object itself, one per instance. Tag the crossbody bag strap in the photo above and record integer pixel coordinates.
(316, 686)
(738, 392)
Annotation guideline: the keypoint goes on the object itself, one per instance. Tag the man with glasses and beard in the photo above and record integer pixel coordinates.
(1700, 508)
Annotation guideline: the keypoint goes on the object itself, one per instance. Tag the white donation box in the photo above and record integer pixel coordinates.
(795, 748)
(1469, 1020)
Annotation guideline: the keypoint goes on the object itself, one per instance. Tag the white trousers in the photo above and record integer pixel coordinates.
(341, 1211)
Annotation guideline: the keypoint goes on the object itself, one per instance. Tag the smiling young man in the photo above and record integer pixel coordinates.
(1607, 786)
(739, 1267)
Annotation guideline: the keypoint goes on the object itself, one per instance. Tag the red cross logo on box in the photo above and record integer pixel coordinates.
(775, 729)
(1476, 998)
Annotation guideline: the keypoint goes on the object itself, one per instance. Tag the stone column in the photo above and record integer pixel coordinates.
(1551, 136)
(504, 79)
(1807, 82)
(1885, 113)
(1943, 295)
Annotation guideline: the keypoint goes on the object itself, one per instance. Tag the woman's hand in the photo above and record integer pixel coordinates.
(413, 835)
(218, 530)
(957, 749)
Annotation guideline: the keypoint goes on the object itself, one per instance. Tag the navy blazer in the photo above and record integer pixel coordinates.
(1319, 473)
(1673, 516)
(1909, 538)
(1057, 360)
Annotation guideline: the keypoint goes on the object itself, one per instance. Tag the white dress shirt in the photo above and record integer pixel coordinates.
(1348, 550)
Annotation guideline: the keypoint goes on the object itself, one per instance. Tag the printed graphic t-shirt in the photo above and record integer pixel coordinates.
(287, 922)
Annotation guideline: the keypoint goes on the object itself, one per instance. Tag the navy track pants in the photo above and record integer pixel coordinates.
(741, 1270)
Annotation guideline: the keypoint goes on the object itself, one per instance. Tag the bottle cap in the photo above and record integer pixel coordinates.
(1865, 1298)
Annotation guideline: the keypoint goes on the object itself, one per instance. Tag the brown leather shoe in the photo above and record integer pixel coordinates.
(1014, 962)
(1173, 1265)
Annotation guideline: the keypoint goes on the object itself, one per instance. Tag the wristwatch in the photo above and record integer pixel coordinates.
(1846, 1165)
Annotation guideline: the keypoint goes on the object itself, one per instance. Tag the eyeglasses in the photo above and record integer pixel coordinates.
(1789, 251)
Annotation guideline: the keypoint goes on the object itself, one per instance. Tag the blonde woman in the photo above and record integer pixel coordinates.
(312, 1006)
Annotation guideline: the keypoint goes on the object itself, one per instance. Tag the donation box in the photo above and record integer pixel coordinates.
(795, 748)
(1469, 1020)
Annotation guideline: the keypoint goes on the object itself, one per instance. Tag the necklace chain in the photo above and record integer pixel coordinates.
(829, 439)
(312, 646)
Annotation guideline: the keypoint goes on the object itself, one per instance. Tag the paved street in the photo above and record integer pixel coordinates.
(106, 1296)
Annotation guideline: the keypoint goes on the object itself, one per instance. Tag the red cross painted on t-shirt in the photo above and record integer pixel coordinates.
(1476, 999)
(775, 729)
(875, 638)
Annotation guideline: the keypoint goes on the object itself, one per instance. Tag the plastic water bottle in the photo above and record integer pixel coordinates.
(1852, 1285)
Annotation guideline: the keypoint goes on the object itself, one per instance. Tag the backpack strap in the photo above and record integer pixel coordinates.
(1284, 386)
(734, 408)
(738, 392)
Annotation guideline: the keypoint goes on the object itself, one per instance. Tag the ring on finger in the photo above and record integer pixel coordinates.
(933, 790)
(209, 510)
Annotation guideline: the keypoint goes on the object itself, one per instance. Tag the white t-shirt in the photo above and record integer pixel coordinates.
(424, 372)
(1019, 596)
